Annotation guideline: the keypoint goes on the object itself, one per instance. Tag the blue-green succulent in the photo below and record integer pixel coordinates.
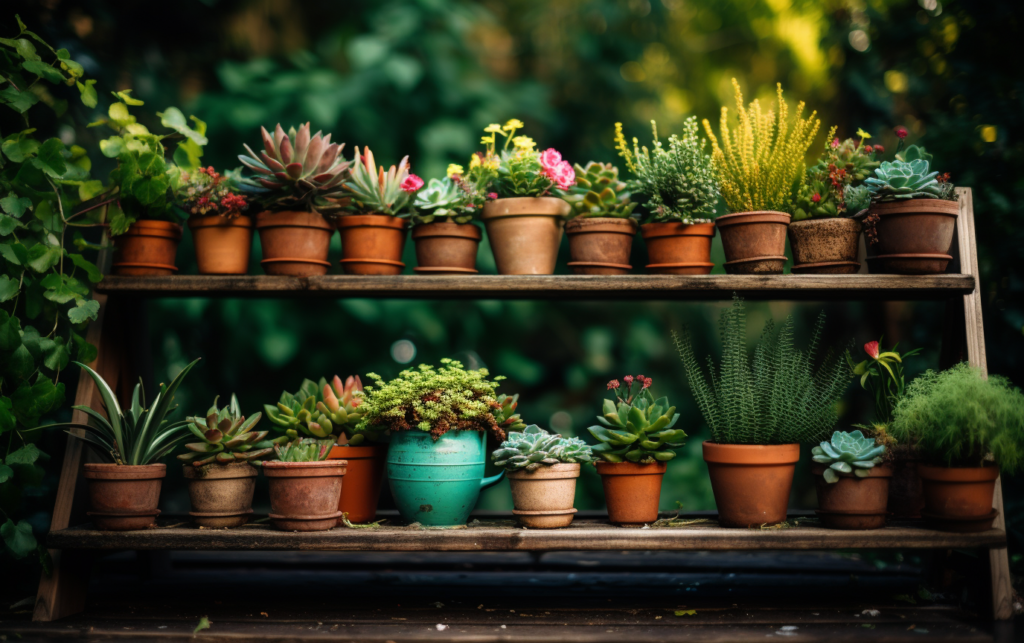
(533, 447)
(848, 452)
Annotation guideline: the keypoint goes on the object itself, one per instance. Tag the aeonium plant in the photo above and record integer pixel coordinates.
(373, 190)
(834, 185)
(634, 427)
(517, 168)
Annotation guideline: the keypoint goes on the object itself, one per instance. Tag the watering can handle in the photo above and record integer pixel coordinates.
(487, 482)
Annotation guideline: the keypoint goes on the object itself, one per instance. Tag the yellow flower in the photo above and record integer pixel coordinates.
(524, 143)
(493, 128)
(862, 134)
(514, 124)
(487, 140)
(454, 169)
(474, 162)
(492, 163)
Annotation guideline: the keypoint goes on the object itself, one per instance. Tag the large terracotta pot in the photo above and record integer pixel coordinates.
(124, 497)
(372, 244)
(148, 248)
(751, 482)
(959, 499)
(304, 495)
(221, 494)
(446, 248)
(543, 498)
(525, 232)
(677, 248)
(914, 236)
(631, 491)
(600, 245)
(294, 243)
(222, 244)
(825, 246)
(906, 492)
(363, 480)
(754, 242)
(853, 502)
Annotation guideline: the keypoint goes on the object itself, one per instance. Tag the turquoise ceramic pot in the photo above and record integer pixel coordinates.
(437, 483)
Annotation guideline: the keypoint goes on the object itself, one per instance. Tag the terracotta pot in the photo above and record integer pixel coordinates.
(222, 244)
(525, 232)
(124, 497)
(914, 236)
(632, 491)
(600, 245)
(853, 502)
(825, 246)
(363, 479)
(678, 249)
(221, 494)
(446, 248)
(754, 242)
(906, 493)
(751, 482)
(372, 244)
(959, 498)
(543, 498)
(294, 243)
(148, 248)
(304, 495)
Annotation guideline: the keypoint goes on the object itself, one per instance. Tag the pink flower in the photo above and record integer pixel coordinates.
(550, 158)
(492, 196)
(562, 175)
(880, 149)
(647, 383)
(871, 348)
(901, 132)
(628, 380)
(835, 143)
(816, 198)
(411, 183)
(614, 384)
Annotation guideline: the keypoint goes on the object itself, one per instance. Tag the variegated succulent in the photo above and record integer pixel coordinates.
(303, 450)
(226, 436)
(373, 190)
(599, 192)
(848, 452)
(533, 447)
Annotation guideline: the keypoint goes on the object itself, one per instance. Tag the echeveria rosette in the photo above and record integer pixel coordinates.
(533, 447)
(635, 427)
(445, 199)
(848, 452)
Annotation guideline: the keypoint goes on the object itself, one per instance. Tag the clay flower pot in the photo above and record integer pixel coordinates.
(751, 482)
(631, 491)
(754, 242)
(221, 494)
(372, 244)
(600, 245)
(677, 248)
(543, 498)
(525, 232)
(825, 246)
(222, 244)
(852, 502)
(294, 243)
(906, 492)
(446, 248)
(914, 236)
(304, 495)
(124, 497)
(363, 480)
(959, 499)
(148, 248)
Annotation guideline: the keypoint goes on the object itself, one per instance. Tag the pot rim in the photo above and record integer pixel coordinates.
(735, 262)
(934, 473)
(299, 219)
(677, 229)
(560, 471)
(295, 260)
(751, 454)
(550, 512)
(111, 471)
(541, 206)
(141, 264)
(599, 264)
(384, 262)
(579, 225)
(442, 270)
(447, 229)
(824, 264)
(683, 264)
(320, 469)
(911, 207)
(346, 452)
(631, 468)
(388, 221)
(153, 228)
(755, 216)
(219, 221)
(235, 470)
(877, 471)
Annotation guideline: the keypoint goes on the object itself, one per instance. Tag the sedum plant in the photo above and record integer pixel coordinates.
(829, 190)
(321, 409)
(303, 450)
(226, 436)
(848, 452)
(208, 193)
(376, 191)
(533, 447)
(635, 427)
(599, 192)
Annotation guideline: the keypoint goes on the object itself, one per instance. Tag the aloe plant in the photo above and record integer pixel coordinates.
(848, 453)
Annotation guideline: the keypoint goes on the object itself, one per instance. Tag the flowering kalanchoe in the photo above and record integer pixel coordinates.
(517, 168)
(206, 192)
(635, 427)
(832, 188)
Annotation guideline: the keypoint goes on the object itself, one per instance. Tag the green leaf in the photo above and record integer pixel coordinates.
(84, 311)
(89, 189)
(89, 267)
(55, 353)
(15, 253)
(27, 454)
(21, 364)
(50, 158)
(18, 538)
(25, 49)
(126, 97)
(204, 624)
(84, 351)
(10, 333)
(42, 257)
(118, 113)
(14, 205)
(21, 146)
(31, 402)
(18, 101)
(43, 70)
(7, 421)
(9, 225)
(6, 473)
(112, 147)
(88, 92)
(9, 288)
(172, 118)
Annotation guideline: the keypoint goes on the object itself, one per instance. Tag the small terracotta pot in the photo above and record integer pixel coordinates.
(906, 492)
(148, 248)
(751, 482)
(959, 499)
(825, 246)
(678, 249)
(754, 242)
(600, 245)
(221, 494)
(632, 491)
(294, 243)
(124, 497)
(543, 498)
(446, 248)
(363, 480)
(304, 495)
(853, 502)
(372, 244)
(914, 236)
(525, 232)
(222, 244)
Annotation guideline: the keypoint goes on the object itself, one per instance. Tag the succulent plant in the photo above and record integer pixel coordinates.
(321, 409)
(635, 427)
(374, 191)
(226, 436)
(848, 452)
(599, 192)
(894, 180)
(857, 198)
(443, 199)
(534, 447)
(506, 417)
(303, 450)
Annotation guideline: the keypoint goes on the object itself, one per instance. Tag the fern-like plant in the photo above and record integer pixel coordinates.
(779, 396)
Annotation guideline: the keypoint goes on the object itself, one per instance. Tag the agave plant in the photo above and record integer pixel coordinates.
(374, 191)
(635, 427)
(303, 450)
(506, 417)
(534, 447)
(599, 192)
(848, 452)
(443, 199)
(322, 409)
(226, 436)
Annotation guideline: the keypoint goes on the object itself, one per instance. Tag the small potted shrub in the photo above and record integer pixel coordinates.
(542, 470)
(682, 192)
(851, 480)
(221, 233)
(636, 438)
(298, 185)
(443, 230)
(760, 167)
(304, 485)
(968, 429)
(602, 229)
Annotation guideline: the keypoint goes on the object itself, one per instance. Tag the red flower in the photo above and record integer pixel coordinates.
(411, 183)
(614, 384)
(880, 149)
(816, 198)
(871, 348)
(640, 378)
(628, 380)
(647, 382)
(491, 196)
(901, 132)
(868, 149)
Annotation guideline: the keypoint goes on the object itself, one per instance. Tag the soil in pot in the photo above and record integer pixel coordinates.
(754, 242)
(221, 494)
(446, 248)
(959, 499)
(825, 246)
(543, 499)
(363, 480)
(853, 502)
(914, 236)
(600, 245)
(222, 244)
(372, 244)
(906, 492)
(678, 248)
(632, 491)
(124, 497)
(304, 495)
(525, 232)
(148, 248)
(294, 243)
(751, 482)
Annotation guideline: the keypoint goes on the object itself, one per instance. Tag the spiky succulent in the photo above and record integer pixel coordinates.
(303, 450)
(534, 447)
(226, 436)
(635, 427)
(506, 416)
(322, 409)
(848, 452)
(441, 200)
(599, 192)
(376, 191)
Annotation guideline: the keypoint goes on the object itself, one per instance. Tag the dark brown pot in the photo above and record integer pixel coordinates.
(148, 248)
(600, 245)
(959, 499)
(852, 502)
(906, 493)
(221, 494)
(632, 491)
(304, 495)
(222, 244)
(372, 244)
(751, 482)
(914, 236)
(124, 497)
(446, 248)
(825, 246)
(363, 479)
(754, 242)
(525, 232)
(294, 243)
(677, 248)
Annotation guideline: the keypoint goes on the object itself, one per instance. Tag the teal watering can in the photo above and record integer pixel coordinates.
(437, 483)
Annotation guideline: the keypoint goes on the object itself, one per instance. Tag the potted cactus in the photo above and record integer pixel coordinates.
(222, 235)
(636, 438)
(542, 471)
(682, 193)
(304, 485)
(602, 229)
(298, 185)
(851, 480)
(446, 238)
(760, 167)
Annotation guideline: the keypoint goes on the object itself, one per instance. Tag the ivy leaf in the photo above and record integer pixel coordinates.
(14, 205)
(20, 146)
(7, 421)
(27, 454)
(42, 257)
(21, 364)
(9, 225)
(18, 538)
(10, 334)
(89, 189)
(84, 351)
(84, 311)
(50, 158)
(31, 402)
(119, 115)
(172, 118)
(112, 147)
(81, 262)
(88, 92)
(62, 288)
(15, 253)
(126, 97)
(6, 473)
(18, 101)
(8, 288)
(25, 49)
(55, 353)
(43, 70)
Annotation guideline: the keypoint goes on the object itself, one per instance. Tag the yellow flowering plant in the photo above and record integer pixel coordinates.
(517, 168)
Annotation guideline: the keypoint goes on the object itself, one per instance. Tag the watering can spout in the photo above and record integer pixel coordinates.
(487, 482)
